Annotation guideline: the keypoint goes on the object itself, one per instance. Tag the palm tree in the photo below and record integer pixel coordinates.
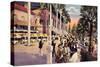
(88, 21)
(67, 16)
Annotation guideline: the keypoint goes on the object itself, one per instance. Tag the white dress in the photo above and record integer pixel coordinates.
(49, 54)
(75, 57)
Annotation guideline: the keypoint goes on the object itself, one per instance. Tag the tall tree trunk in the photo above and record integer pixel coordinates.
(90, 40)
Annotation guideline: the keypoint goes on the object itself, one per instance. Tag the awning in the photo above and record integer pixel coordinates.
(40, 35)
(34, 35)
(45, 35)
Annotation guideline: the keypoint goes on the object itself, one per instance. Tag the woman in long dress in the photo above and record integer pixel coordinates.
(59, 55)
(76, 57)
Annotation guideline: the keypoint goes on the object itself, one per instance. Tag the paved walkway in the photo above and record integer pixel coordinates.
(29, 55)
(28, 59)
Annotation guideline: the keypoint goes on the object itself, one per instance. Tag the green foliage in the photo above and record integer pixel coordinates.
(88, 18)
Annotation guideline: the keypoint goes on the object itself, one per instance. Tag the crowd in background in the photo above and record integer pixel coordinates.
(73, 50)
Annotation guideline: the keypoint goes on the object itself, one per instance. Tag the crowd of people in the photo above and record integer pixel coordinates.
(71, 49)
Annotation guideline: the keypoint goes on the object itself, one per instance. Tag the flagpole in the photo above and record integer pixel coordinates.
(29, 14)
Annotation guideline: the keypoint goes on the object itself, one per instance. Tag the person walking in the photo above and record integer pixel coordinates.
(76, 57)
(53, 44)
(66, 52)
(59, 55)
(41, 46)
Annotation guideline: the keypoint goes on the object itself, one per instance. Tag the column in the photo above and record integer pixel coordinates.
(56, 17)
(29, 16)
(49, 54)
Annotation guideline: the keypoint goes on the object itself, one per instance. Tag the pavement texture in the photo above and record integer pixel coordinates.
(29, 55)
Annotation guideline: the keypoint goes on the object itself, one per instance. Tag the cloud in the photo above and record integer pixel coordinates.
(73, 10)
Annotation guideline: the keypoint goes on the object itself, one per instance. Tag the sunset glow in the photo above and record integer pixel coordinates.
(74, 21)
